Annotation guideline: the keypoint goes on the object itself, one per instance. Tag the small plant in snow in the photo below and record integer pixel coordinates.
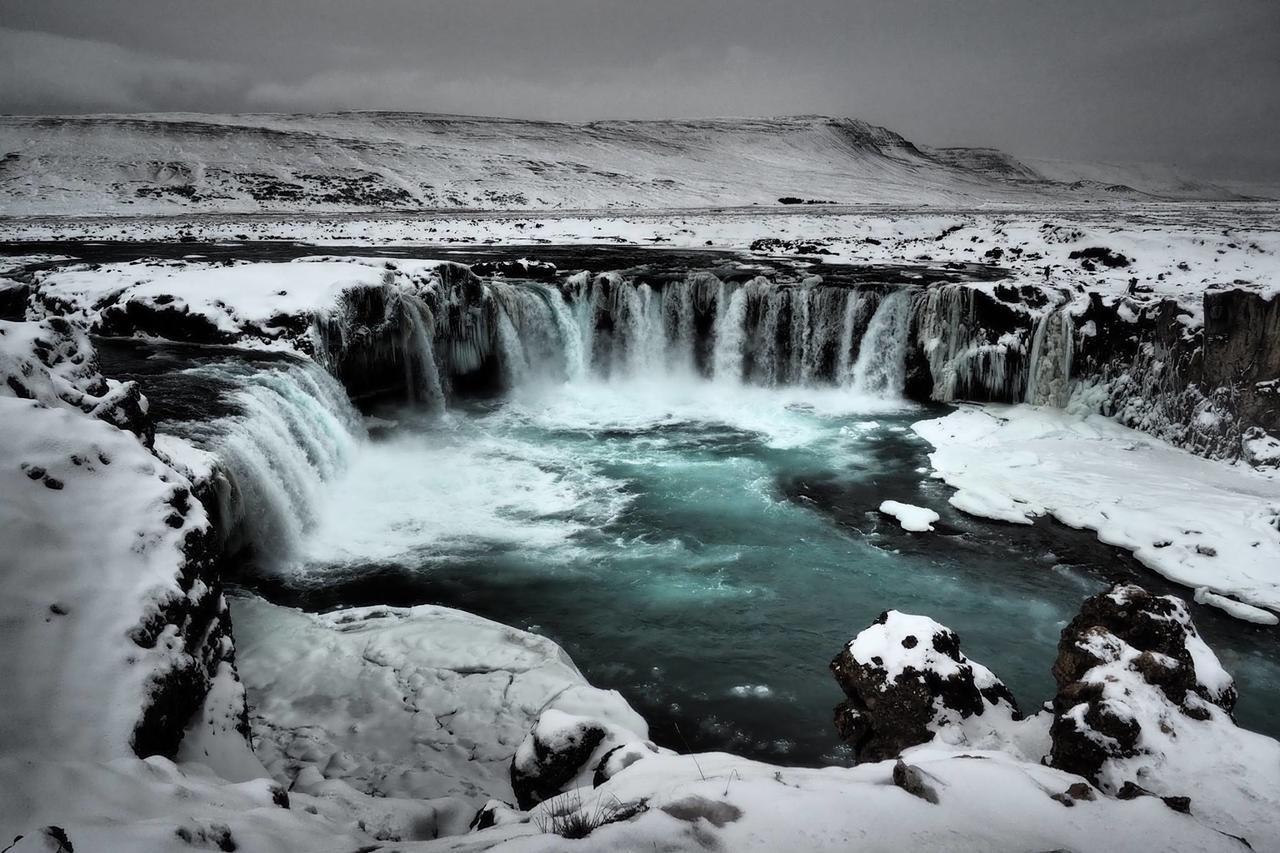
(568, 819)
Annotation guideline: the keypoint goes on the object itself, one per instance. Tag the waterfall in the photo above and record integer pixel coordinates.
(730, 332)
(515, 367)
(678, 320)
(647, 343)
(295, 430)
(767, 354)
(1049, 370)
(858, 308)
(421, 374)
(881, 366)
(800, 340)
(575, 361)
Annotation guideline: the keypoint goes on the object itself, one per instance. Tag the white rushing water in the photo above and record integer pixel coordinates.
(295, 431)
(790, 344)
(881, 365)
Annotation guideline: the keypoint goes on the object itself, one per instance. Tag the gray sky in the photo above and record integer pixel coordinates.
(1191, 83)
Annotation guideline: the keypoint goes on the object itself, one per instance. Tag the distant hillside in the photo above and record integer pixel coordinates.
(171, 163)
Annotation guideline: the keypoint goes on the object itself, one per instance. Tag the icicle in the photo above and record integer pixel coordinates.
(1049, 369)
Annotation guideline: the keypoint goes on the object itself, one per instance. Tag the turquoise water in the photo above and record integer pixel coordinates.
(705, 549)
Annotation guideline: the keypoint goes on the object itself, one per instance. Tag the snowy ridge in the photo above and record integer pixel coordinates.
(171, 163)
(109, 628)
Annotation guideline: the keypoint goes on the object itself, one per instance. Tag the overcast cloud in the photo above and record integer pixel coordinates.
(1191, 83)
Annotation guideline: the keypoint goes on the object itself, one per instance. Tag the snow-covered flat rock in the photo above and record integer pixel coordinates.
(416, 702)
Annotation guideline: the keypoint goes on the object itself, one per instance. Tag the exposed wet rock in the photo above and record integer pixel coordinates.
(1099, 255)
(496, 813)
(906, 679)
(620, 758)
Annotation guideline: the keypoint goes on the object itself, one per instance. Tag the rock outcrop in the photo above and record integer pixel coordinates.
(1130, 667)
(905, 680)
(136, 641)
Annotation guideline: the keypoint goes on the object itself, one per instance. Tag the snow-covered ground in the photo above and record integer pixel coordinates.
(1202, 524)
(423, 702)
(175, 163)
(1173, 250)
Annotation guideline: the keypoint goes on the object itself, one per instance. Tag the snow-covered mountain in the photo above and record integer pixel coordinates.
(170, 163)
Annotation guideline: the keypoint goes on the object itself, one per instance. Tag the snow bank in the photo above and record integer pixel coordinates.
(1196, 522)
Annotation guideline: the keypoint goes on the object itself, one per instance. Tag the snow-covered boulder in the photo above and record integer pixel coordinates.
(1143, 706)
(565, 751)
(907, 680)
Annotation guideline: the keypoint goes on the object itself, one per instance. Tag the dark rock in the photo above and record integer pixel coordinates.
(494, 813)
(1100, 254)
(620, 758)
(910, 779)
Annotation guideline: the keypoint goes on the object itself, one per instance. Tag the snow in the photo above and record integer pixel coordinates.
(81, 492)
(916, 519)
(1177, 250)
(419, 702)
(75, 681)
(174, 163)
(1238, 609)
(1196, 522)
(987, 801)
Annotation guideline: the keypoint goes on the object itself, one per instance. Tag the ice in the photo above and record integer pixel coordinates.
(916, 519)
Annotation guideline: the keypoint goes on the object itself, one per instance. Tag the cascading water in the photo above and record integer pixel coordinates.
(881, 366)
(422, 375)
(295, 430)
(859, 307)
(575, 362)
(730, 331)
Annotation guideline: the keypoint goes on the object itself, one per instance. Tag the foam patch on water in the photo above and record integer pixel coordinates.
(445, 494)
(785, 417)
